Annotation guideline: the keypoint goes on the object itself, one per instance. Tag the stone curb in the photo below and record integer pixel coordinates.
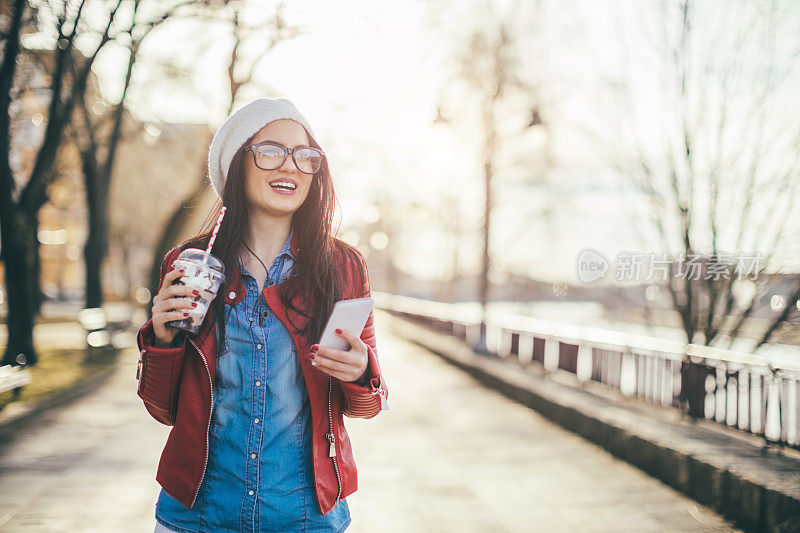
(725, 469)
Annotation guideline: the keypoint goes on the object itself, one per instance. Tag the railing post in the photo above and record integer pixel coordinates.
(551, 353)
(772, 424)
(504, 348)
(583, 367)
(473, 334)
(525, 349)
(627, 372)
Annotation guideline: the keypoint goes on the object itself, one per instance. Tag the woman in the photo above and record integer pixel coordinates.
(258, 440)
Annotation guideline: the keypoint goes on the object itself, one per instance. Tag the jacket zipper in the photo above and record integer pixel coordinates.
(208, 426)
(139, 375)
(381, 394)
(332, 440)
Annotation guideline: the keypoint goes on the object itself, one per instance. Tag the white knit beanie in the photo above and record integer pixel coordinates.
(239, 127)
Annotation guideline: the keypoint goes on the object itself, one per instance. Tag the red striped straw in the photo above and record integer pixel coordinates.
(214, 235)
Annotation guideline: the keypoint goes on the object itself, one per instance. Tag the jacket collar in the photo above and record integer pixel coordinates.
(236, 289)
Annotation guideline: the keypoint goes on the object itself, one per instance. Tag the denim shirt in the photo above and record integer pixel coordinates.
(259, 475)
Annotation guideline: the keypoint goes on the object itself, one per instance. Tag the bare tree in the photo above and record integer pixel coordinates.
(98, 164)
(489, 67)
(18, 218)
(726, 172)
(69, 72)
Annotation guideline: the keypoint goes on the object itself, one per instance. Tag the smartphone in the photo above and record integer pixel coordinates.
(351, 315)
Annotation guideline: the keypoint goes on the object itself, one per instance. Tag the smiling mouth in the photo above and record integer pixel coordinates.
(283, 184)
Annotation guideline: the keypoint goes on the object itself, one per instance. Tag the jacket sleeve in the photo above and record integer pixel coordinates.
(159, 369)
(366, 401)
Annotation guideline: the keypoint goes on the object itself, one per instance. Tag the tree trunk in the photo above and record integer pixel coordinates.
(125, 250)
(96, 242)
(693, 388)
(17, 260)
(486, 262)
(38, 296)
(18, 237)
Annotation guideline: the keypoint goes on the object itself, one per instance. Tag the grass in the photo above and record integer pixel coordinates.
(57, 369)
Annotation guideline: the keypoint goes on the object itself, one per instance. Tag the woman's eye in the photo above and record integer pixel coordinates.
(270, 151)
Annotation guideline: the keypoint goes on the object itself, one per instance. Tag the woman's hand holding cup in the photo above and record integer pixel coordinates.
(168, 306)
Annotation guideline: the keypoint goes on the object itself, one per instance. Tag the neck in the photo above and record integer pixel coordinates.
(266, 235)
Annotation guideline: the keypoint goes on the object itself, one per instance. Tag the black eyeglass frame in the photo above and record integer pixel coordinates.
(286, 152)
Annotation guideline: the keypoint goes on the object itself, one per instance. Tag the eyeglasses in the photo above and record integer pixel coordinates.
(270, 155)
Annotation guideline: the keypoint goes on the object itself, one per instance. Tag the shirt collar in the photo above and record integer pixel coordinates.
(287, 245)
(236, 286)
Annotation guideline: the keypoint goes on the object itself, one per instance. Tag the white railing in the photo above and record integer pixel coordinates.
(738, 389)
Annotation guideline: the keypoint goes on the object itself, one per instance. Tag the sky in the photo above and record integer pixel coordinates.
(369, 76)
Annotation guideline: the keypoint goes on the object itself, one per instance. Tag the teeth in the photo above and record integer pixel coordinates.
(282, 185)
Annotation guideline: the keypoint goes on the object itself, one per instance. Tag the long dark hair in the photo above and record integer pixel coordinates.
(314, 273)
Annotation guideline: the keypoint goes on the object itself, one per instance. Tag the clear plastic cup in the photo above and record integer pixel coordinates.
(205, 278)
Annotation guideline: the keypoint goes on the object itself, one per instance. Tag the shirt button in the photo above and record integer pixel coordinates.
(232, 295)
(271, 282)
(258, 383)
(252, 456)
(258, 346)
(266, 314)
(256, 421)
(250, 492)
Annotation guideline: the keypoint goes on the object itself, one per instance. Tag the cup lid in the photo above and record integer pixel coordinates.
(195, 255)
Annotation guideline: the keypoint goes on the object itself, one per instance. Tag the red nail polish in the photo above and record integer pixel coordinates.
(196, 292)
(311, 356)
(315, 347)
(338, 330)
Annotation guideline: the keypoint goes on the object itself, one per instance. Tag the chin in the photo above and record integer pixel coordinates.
(286, 207)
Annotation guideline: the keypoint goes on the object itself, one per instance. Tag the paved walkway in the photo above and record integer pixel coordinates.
(448, 456)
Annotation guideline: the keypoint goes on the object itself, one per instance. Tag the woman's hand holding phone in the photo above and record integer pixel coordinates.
(167, 306)
(345, 365)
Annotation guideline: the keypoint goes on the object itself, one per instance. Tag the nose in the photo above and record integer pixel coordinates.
(288, 165)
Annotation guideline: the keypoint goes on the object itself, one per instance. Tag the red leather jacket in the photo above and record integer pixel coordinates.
(176, 386)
